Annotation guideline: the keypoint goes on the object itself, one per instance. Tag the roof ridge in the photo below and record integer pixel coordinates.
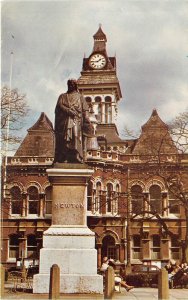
(42, 123)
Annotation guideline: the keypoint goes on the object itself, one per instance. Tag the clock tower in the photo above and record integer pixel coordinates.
(99, 84)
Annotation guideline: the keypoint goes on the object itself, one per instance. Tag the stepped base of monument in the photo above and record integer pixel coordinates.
(70, 284)
(73, 250)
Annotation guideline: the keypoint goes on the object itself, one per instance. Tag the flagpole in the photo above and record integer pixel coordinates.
(8, 122)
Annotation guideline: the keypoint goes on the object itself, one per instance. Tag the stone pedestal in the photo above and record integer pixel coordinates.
(69, 243)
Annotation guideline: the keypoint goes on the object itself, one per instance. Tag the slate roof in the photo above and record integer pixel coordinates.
(155, 138)
(110, 132)
(39, 140)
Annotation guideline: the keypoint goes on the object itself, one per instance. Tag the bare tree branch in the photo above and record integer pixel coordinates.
(14, 109)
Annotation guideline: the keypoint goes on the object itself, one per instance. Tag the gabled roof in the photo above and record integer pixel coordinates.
(43, 123)
(155, 138)
(39, 140)
(99, 35)
(154, 121)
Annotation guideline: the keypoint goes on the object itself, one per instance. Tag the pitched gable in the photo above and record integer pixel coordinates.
(155, 138)
(39, 140)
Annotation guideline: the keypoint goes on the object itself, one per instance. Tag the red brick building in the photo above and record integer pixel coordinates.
(134, 215)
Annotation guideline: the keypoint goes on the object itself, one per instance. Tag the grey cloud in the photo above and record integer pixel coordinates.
(148, 37)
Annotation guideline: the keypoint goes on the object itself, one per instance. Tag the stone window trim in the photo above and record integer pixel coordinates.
(108, 233)
(31, 246)
(137, 199)
(112, 192)
(155, 199)
(136, 246)
(155, 243)
(155, 182)
(34, 197)
(174, 248)
(13, 247)
(16, 201)
(46, 202)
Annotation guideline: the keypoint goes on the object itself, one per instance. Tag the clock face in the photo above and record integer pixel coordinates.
(97, 61)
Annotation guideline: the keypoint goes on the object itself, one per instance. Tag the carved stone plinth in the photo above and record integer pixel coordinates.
(69, 243)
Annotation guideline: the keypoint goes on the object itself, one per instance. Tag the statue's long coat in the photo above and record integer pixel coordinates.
(68, 129)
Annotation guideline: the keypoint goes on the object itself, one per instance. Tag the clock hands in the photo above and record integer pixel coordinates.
(96, 60)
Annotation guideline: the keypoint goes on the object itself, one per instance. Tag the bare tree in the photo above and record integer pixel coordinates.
(165, 158)
(179, 131)
(14, 109)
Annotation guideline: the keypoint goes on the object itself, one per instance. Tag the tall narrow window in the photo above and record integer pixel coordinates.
(175, 248)
(48, 200)
(33, 200)
(155, 199)
(13, 246)
(155, 249)
(16, 200)
(108, 109)
(136, 249)
(109, 197)
(136, 199)
(31, 246)
(99, 115)
(97, 197)
(116, 200)
(89, 195)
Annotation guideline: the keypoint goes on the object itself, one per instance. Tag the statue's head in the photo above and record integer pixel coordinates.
(72, 85)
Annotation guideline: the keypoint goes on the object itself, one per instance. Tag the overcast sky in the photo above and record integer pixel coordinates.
(149, 38)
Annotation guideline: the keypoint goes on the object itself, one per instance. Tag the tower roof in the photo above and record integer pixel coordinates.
(99, 35)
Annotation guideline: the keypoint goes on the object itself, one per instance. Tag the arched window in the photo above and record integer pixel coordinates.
(33, 200)
(155, 199)
(13, 246)
(99, 114)
(109, 248)
(48, 200)
(155, 249)
(108, 109)
(32, 246)
(89, 195)
(175, 248)
(136, 199)
(16, 200)
(97, 197)
(116, 200)
(136, 246)
(109, 197)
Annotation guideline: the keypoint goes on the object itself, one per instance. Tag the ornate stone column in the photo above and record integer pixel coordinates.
(41, 205)
(24, 204)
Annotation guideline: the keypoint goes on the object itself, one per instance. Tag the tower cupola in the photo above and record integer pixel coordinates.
(99, 41)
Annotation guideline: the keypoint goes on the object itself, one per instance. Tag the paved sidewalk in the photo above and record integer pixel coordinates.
(135, 294)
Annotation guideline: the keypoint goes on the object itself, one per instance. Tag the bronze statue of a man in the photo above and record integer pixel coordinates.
(71, 122)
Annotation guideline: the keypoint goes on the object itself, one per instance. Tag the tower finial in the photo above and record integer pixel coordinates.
(100, 25)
